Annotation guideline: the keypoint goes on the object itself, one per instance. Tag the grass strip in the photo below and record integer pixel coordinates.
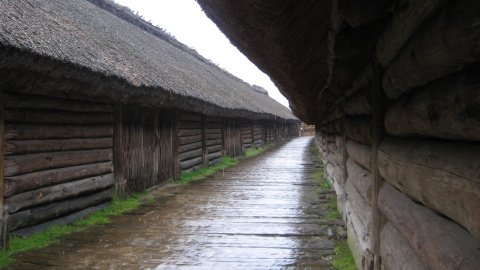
(344, 258)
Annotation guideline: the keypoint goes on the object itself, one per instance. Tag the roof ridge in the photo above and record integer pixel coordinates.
(129, 16)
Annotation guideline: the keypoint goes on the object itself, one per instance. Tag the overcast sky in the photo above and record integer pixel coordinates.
(185, 20)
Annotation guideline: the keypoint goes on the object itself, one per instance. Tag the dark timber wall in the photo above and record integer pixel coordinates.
(58, 160)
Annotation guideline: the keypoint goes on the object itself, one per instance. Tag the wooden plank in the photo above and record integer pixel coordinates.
(438, 242)
(189, 147)
(36, 180)
(404, 23)
(215, 148)
(58, 192)
(55, 210)
(396, 252)
(190, 139)
(215, 155)
(189, 132)
(186, 164)
(213, 136)
(444, 109)
(456, 27)
(431, 171)
(22, 164)
(119, 152)
(14, 147)
(191, 154)
(35, 131)
(17, 101)
(55, 117)
(360, 153)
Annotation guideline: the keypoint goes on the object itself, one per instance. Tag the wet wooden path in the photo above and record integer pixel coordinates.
(261, 214)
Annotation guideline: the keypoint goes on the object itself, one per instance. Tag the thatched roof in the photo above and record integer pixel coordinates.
(315, 51)
(100, 50)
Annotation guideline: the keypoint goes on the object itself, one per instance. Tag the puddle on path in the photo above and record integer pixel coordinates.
(261, 214)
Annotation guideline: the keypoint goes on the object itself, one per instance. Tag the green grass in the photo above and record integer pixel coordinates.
(206, 171)
(344, 258)
(52, 234)
(253, 151)
(333, 213)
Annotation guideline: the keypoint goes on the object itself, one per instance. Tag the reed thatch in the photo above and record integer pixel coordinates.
(102, 51)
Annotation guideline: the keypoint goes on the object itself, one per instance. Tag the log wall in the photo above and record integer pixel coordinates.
(402, 151)
(191, 134)
(57, 160)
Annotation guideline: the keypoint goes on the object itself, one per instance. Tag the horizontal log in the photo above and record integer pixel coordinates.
(446, 109)
(14, 147)
(338, 175)
(439, 243)
(189, 139)
(403, 25)
(54, 210)
(214, 142)
(33, 131)
(14, 165)
(214, 155)
(190, 154)
(453, 37)
(360, 153)
(189, 117)
(189, 132)
(213, 120)
(360, 178)
(354, 245)
(213, 125)
(189, 125)
(36, 180)
(395, 251)
(360, 206)
(15, 101)
(213, 131)
(247, 140)
(187, 164)
(189, 147)
(431, 171)
(56, 193)
(359, 129)
(247, 145)
(214, 161)
(360, 103)
(359, 228)
(332, 147)
(56, 117)
(214, 148)
(329, 169)
(213, 136)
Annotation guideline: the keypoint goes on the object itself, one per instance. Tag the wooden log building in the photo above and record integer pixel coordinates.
(392, 88)
(93, 100)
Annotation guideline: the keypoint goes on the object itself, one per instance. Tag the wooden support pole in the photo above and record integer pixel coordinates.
(377, 134)
(118, 152)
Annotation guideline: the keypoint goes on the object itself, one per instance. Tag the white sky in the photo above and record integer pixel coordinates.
(185, 20)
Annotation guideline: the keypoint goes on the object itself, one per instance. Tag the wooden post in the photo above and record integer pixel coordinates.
(175, 146)
(204, 144)
(253, 134)
(377, 133)
(4, 236)
(224, 138)
(118, 151)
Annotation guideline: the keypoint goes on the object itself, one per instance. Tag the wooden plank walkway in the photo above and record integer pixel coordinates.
(261, 214)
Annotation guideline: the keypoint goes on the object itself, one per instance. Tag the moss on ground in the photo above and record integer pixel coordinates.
(344, 258)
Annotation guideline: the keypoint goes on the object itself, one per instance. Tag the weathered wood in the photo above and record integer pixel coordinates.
(404, 23)
(247, 141)
(214, 148)
(360, 206)
(57, 209)
(361, 229)
(214, 155)
(4, 237)
(190, 139)
(35, 131)
(214, 142)
(175, 141)
(359, 129)
(183, 116)
(452, 36)
(360, 178)
(214, 136)
(338, 175)
(54, 117)
(35, 180)
(189, 132)
(22, 164)
(360, 103)
(189, 147)
(354, 245)
(213, 131)
(39, 146)
(438, 242)
(396, 253)
(329, 169)
(204, 144)
(189, 125)
(360, 153)
(15, 101)
(59, 192)
(118, 154)
(446, 109)
(431, 171)
(186, 164)
(191, 154)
